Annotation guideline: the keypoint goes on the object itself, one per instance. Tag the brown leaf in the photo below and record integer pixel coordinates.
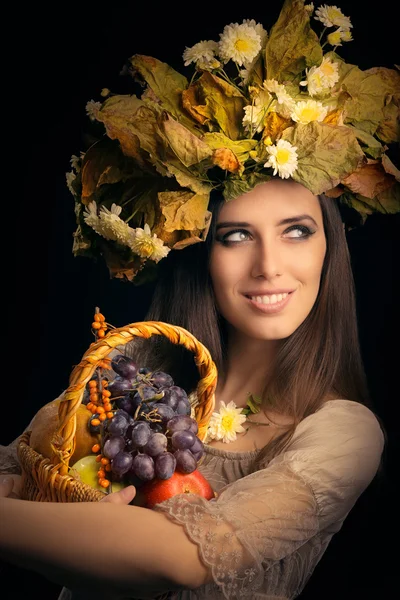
(226, 160)
(190, 100)
(334, 192)
(369, 180)
(334, 117)
(274, 124)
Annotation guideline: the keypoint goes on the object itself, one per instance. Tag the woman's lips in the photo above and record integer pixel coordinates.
(270, 308)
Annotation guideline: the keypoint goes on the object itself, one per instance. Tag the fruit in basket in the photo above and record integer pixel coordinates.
(86, 468)
(45, 424)
(158, 490)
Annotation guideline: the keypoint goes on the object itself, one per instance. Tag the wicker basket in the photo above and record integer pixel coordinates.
(49, 479)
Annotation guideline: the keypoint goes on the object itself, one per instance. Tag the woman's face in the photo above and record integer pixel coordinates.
(267, 258)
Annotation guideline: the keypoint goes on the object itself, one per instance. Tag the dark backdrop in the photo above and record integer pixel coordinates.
(57, 60)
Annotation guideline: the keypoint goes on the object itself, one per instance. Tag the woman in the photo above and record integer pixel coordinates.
(272, 297)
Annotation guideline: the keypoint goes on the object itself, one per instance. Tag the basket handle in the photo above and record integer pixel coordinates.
(99, 350)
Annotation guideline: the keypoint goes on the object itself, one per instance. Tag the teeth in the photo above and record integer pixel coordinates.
(272, 299)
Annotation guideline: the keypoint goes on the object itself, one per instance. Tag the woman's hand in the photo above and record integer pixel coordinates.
(10, 485)
(124, 496)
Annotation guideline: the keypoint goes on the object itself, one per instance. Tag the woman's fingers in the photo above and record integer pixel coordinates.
(6, 486)
(124, 496)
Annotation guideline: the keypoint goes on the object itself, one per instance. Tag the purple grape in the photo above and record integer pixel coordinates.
(112, 446)
(165, 412)
(156, 444)
(183, 407)
(165, 464)
(126, 404)
(143, 467)
(119, 386)
(197, 449)
(141, 433)
(182, 440)
(124, 366)
(121, 463)
(147, 392)
(171, 397)
(144, 370)
(161, 380)
(117, 425)
(185, 461)
(181, 423)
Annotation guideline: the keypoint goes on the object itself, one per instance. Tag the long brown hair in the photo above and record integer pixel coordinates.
(321, 357)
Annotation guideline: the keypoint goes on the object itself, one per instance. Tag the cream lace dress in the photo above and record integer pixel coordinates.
(266, 531)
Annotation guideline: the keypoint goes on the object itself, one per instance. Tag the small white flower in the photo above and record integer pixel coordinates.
(285, 103)
(225, 424)
(335, 38)
(92, 109)
(332, 16)
(91, 218)
(75, 163)
(240, 43)
(346, 36)
(112, 226)
(70, 177)
(253, 119)
(259, 29)
(309, 8)
(321, 79)
(282, 158)
(309, 110)
(202, 52)
(146, 245)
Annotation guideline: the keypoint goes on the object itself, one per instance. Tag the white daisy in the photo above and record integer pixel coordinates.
(321, 79)
(309, 8)
(309, 110)
(335, 38)
(202, 52)
(346, 36)
(91, 218)
(253, 119)
(92, 109)
(282, 158)
(332, 16)
(285, 103)
(225, 424)
(259, 29)
(240, 43)
(70, 177)
(112, 226)
(146, 245)
(75, 163)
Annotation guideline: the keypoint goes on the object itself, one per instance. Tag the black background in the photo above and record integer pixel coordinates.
(58, 59)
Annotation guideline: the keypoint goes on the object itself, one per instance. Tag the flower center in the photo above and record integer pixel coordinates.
(282, 155)
(327, 68)
(146, 247)
(309, 114)
(241, 45)
(227, 421)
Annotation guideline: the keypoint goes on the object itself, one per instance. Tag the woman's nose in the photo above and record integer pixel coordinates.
(267, 261)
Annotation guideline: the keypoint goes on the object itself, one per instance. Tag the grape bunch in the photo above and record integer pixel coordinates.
(151, 433)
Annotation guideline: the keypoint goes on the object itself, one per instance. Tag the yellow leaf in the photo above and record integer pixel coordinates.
(189, 148)
(183, 210)
(274, 124)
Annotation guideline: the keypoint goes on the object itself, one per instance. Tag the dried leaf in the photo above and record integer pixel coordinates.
(189, 148)
(292, 45)
(326, 155)
(240, 148)
(372, 146)
(183, 210)
(390, 167)
(274, 124)
(369, 179)
(226, 160)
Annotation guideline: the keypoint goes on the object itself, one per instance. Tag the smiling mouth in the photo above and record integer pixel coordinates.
(269, 299)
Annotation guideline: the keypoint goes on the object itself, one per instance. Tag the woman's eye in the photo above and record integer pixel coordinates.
(299, 231)
(235, 236)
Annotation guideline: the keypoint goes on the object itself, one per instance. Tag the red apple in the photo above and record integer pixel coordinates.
(158, 490)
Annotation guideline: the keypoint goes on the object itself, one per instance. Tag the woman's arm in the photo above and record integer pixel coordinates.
(121, 549)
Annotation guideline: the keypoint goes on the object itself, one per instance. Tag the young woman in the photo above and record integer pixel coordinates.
(271, 294)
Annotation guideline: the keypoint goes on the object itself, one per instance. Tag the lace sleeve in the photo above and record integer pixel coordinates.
(268, 529)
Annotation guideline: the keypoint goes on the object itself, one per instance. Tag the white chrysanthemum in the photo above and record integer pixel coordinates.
(259, 29)
(70, 177)
(75, 163)
(282, 158)
(112, 226)
(240, 43)
(203, 52)
(91, 218)
(225, 424)
(332, 16)
(346, 36)
(92, 109)
(321, 79)
(285, 103)
(148, 246)
(309, 110)
(335, 38)
(254, 114)
(309, 8)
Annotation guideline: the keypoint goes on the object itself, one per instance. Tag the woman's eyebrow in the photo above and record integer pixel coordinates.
(286, 221)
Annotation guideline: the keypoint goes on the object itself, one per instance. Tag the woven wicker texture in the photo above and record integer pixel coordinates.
(48, 479)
